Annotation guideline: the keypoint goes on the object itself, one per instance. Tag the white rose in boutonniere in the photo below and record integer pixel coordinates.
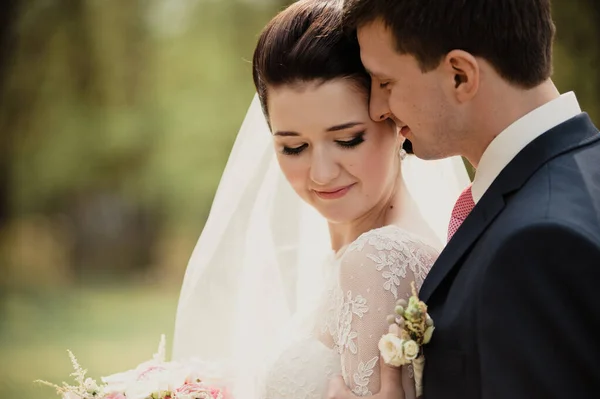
(411, 349)
(390, 347)
(413, 327)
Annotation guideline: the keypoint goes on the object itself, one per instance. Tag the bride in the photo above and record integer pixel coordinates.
(285, 296)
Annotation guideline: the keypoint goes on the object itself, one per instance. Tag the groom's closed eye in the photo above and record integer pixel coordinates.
(379, 77)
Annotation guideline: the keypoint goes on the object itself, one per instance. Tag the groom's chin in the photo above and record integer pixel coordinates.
(426, 153)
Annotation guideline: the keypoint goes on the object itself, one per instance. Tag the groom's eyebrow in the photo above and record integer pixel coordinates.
(371, 73)
(374, 74)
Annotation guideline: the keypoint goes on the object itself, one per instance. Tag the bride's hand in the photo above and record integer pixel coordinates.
(391, 385)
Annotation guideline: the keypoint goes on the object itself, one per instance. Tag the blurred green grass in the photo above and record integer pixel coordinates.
(109, 329)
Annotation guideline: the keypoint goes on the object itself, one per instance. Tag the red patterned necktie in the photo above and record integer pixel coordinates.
(464, 205)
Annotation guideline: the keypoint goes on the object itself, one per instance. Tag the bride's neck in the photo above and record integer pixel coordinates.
(384, 213)
(399, 208)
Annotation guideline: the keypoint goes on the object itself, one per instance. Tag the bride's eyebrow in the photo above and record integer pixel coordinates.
(285, 134)
(344, 126)
(334, 128)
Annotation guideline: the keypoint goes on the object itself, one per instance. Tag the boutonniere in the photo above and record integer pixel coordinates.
(411, 327)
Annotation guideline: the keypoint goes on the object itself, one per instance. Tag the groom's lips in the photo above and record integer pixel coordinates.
(334, 193)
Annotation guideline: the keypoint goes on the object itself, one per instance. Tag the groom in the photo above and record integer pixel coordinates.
(515, 295)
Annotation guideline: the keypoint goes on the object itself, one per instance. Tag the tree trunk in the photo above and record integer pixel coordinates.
(8, 18)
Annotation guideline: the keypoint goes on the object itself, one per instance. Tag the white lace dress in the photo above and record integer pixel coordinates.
(362, 288)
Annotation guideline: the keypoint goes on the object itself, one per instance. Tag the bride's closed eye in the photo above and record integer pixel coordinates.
(358, 139)
(293, 150)
(355, 141)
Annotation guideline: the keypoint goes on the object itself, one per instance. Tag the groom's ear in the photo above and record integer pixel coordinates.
(462, 70)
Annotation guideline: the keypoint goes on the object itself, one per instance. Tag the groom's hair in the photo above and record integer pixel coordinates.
(515, 36)
(306, 43)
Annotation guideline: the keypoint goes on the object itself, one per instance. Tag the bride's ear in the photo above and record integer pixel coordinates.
(462, 72)
(400, 139)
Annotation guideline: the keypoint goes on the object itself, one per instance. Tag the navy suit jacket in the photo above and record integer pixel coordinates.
(515, 295)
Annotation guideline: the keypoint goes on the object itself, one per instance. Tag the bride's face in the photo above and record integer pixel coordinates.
(335, 157)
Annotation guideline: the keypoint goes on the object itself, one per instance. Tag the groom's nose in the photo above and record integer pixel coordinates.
(378, 104)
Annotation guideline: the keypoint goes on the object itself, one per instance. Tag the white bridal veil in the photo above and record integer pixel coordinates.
(257, 260)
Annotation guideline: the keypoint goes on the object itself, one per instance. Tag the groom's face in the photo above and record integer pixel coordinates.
(416, 101)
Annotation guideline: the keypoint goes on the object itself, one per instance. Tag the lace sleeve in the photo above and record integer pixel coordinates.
(376, 271)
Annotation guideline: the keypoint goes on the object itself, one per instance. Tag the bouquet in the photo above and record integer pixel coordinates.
(153, 379)
(411, 327)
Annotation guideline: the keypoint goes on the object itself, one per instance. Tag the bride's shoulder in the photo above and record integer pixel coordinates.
(387, 253)
(389, 238)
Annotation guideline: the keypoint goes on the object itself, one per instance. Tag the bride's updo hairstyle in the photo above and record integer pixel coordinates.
(306, 43)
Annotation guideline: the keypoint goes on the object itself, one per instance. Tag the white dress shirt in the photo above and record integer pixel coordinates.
(516, 137)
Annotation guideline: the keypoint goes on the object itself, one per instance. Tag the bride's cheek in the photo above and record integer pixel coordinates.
(297, 174)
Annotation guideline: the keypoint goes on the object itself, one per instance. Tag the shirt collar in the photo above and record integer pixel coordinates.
(518, 135)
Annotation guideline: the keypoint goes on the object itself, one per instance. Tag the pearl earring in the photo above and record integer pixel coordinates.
(402, 153)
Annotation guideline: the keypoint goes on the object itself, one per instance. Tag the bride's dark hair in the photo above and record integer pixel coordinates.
(306, 42)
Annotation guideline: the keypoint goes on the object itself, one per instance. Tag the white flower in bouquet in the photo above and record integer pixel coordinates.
(91, 385)
(145, 389)
(144, 381)
(207, 372)
(120, 381)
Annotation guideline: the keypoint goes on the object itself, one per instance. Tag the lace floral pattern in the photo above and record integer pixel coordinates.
(345, 338)
(361, 377)
(302, 371)
(375, 270)
(394, 252)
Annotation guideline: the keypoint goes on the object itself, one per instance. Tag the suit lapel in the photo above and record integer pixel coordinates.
(574, 133)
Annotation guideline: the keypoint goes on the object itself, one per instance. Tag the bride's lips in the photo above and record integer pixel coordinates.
(334, 193)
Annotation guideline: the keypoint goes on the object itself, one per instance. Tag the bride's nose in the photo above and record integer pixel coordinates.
(324, 168)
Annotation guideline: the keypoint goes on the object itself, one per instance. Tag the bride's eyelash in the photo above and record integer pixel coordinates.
(293, 150)
(358, 139)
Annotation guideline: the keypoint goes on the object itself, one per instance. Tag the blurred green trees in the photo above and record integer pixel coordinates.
(117, 119)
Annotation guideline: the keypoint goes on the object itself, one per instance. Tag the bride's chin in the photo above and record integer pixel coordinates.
(333, 217)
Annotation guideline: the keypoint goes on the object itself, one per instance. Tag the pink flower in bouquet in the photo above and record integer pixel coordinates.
(198, 391)
(115, 395)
